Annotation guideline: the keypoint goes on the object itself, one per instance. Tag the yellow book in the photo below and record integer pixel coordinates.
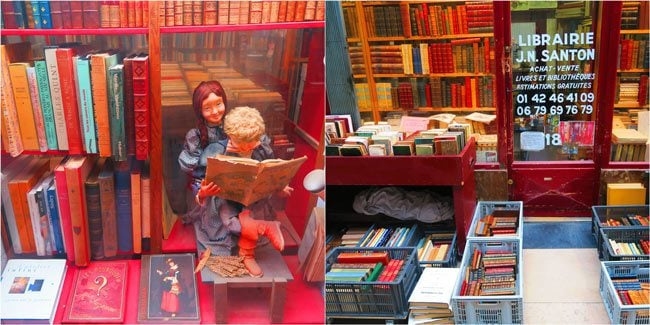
(20, 85)
(442, 252)
(626, 194)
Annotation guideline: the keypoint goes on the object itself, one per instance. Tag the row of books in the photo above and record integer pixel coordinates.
(628, 145)
(631, 290)
(78, 101)
(633, 54)
(490, 273)
(640, 247)
(364, 266)
(629, 220)
(630, 13)
(123, 14)
(426, 19)
(633, 89)
(498, 223)
(435, 247)
(471, 55)
(83, 206)
(432, 92)
(387, 236)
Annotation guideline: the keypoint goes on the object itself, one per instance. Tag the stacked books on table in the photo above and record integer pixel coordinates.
(430, 301)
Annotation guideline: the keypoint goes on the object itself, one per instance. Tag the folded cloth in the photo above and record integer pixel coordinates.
(396, 202)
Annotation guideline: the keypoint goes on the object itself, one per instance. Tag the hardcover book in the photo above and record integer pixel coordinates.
(168, 291)
(99, 294)
(31, 289)
(246, 180)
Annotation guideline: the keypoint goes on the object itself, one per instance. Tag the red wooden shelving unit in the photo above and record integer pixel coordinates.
(456, 171)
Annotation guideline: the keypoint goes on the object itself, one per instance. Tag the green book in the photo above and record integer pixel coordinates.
(116, 109)
(376, 271)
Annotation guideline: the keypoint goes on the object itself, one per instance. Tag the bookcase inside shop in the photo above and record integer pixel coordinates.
(629, 130)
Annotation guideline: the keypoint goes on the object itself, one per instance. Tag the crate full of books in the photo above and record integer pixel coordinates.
(497, 219)
(437, 248)
(624, 244)
(618, 216)
(370, 282)
(489, 289)
(625, 287)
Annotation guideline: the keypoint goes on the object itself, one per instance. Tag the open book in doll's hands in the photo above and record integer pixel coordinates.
(247, 180)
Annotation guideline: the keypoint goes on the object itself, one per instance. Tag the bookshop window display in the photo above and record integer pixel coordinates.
(553, 57)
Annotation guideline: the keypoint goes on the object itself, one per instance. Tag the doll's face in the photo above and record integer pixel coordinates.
(213, 109)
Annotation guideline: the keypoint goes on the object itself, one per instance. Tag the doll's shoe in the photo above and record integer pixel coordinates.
(249, 262)
(251, 229)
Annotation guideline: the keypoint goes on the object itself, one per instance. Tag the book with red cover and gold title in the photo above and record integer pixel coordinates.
(99, 294)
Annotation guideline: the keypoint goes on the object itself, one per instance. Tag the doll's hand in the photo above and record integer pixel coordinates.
(286, 192)
(207, 189)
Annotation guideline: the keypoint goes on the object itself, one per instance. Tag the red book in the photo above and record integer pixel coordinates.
(406, 26)
(99, 294)
(77, 169)
(141, 106)
(8, 15)
(282, 12)
(643, 89)
(66, 14)
(367, 257)
(64, 209)
(397, 267)
(129, 126)
(69, 95)
(467, 90)
(425, 18)
(76, 13)
(91, 14)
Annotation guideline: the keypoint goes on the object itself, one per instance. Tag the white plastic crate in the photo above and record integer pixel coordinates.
(619, 313)
(484, 208)
(490, 309)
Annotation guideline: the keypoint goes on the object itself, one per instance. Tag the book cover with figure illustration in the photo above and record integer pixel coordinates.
(246, 180)
(99, 294)
(31, 289)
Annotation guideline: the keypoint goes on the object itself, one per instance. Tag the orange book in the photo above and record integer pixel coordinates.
(210, 13)
(282, 12)
(275, 11)
(130, 18)
(138, 14)
(188, 15)
(77, 169)
(123, 13)
(100, 103)
(136, 207)
(301, 8)
(310, 10)
(145, 13)
(18, 188)
(244, 12)
(20, 87)
(223, 12)
(69, 99)
(266, 11)
(255, 8)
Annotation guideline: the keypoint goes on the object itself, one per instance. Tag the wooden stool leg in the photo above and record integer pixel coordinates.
(220, 301)
(278, 298)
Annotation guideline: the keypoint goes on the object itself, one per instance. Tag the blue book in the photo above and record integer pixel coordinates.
(46, 103)
(55, 219)
(36, 14)
(85, 95)
(46, 16)
(20, 12)
(123, 206)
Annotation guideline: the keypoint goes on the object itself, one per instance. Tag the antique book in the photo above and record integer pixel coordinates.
(25, 282)
(99, 294)
(168, 290)
(246, 180)
(77, 169)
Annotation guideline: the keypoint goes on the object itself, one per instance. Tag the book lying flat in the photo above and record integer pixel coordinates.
(246, 180)
(434, 287)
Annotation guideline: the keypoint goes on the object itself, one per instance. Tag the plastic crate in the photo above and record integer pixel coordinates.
(600, 214)
(605, 250)
(450, 259)
(344, 299)
(484, 208)
(410, 241)
(619, 313)
(490, 309)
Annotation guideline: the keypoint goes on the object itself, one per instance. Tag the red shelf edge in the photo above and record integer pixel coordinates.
(75, 31)
(226, 28)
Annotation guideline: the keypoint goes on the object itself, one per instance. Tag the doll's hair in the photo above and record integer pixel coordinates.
(201, 92)
(244, 124)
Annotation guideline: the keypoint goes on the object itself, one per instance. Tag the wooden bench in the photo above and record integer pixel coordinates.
(276, 276)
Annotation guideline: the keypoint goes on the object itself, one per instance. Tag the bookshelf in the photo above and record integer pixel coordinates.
(453, 171)
(304, 39)
(423, 46)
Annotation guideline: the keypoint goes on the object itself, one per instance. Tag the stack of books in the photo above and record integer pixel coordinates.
(430, 301)
(498, 223)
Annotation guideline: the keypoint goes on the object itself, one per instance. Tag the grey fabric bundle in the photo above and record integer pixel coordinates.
(396, 202)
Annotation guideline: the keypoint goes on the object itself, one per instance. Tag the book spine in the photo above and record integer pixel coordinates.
(76, 14)
(91, 14)
(36, 106)
(129, 126)
(64, 211)
(45, 221)
(69, 99)
(10, 216)
(75, 178)
(210, 13)
(57, 100)
(107, 202)
(94, 210)
(9, 113)
(86, 101)
(100, 104)
(123, 207)
(116, 93)
(53, 212)
(136, 212)
(141, 107)
(24, 230)
(46, 103)
(36, 14)
(35, 219)
(20, 85)
(145, 13)
(145, 193)
(20, 12)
